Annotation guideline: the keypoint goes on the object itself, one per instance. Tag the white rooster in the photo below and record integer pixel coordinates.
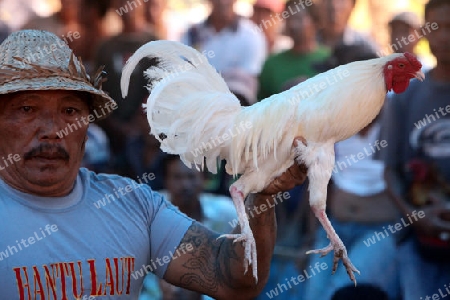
(193, 114)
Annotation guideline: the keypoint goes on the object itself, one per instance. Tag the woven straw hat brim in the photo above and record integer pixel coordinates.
(102, 103)
(37, 60)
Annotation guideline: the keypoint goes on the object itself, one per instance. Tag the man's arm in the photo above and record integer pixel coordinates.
(432, 224)
(216, 266)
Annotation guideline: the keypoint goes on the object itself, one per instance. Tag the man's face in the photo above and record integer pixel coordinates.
(30, 127)
(336, 14)
(223, 9)
(300, 27)
(439, 39)
(182, 183)
(262, 15)
(400, 30)
(155, 9)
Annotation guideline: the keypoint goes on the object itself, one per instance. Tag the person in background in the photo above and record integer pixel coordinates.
(228, 40)
(265, 17)
(113, 54)
(333, 29)
(93, 32)
(61, 22)
(184, 188)
(154, 14)
(401, 26)
(415, 125)
(298, 61)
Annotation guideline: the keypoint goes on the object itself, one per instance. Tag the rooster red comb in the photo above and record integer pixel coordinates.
(413, 60)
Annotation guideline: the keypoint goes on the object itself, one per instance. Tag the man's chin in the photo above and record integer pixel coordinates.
(47, 174)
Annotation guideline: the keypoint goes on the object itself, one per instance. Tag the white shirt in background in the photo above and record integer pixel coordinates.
(360, 175)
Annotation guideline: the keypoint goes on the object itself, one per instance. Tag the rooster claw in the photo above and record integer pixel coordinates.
(348, 266)
(322, 252)
(340, 252)
(250, 257)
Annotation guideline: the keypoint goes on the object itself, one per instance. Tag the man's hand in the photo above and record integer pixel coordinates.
(292, 177)
(436, 222)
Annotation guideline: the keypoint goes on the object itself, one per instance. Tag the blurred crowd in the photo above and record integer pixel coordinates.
(282, 44)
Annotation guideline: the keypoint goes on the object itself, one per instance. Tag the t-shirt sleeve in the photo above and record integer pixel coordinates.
(167, 229)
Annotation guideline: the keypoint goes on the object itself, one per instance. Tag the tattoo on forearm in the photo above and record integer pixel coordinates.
(212, 262)
(209, 264)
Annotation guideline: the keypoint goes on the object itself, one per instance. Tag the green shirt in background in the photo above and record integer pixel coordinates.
(282, 67)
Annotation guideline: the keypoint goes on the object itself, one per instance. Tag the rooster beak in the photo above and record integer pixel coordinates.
(419, 75)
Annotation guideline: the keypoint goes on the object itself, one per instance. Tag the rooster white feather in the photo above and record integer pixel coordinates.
(193, 114)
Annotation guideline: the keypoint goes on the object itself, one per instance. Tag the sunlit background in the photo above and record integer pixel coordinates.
(370, 16)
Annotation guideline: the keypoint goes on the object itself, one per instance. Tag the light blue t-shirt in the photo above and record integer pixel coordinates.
(101, 239)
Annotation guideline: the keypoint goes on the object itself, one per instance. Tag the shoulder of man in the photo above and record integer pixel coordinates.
(193, 34)
(120, 187)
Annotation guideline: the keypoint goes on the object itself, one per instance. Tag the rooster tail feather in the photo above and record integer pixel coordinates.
(190, 106)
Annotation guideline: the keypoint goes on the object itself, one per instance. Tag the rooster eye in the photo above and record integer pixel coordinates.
(401, 65)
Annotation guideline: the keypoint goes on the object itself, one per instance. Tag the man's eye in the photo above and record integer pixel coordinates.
(71, 111)
(26, 108)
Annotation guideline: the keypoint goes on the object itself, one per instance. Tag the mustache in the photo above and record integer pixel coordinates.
(49, 151)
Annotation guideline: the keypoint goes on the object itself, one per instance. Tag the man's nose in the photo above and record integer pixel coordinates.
(51, 126)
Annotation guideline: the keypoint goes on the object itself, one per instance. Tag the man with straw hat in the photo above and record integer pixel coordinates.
(68, 233)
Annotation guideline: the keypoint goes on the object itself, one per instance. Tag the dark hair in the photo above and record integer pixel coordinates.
(360, 292)
(433, 4)
(102, 6)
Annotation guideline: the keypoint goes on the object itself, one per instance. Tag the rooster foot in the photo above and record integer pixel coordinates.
(340, 252)
(250, 258)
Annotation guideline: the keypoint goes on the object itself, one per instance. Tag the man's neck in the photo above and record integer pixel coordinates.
(304, 47)
(219, 23)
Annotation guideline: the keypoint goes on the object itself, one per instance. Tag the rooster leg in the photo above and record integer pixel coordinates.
(336, 244)
(319, 159)
(246, 235)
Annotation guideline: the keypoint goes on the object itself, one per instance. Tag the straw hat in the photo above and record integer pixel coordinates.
(37, 60)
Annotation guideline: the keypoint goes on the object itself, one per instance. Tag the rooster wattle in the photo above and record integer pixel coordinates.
(193, 114)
